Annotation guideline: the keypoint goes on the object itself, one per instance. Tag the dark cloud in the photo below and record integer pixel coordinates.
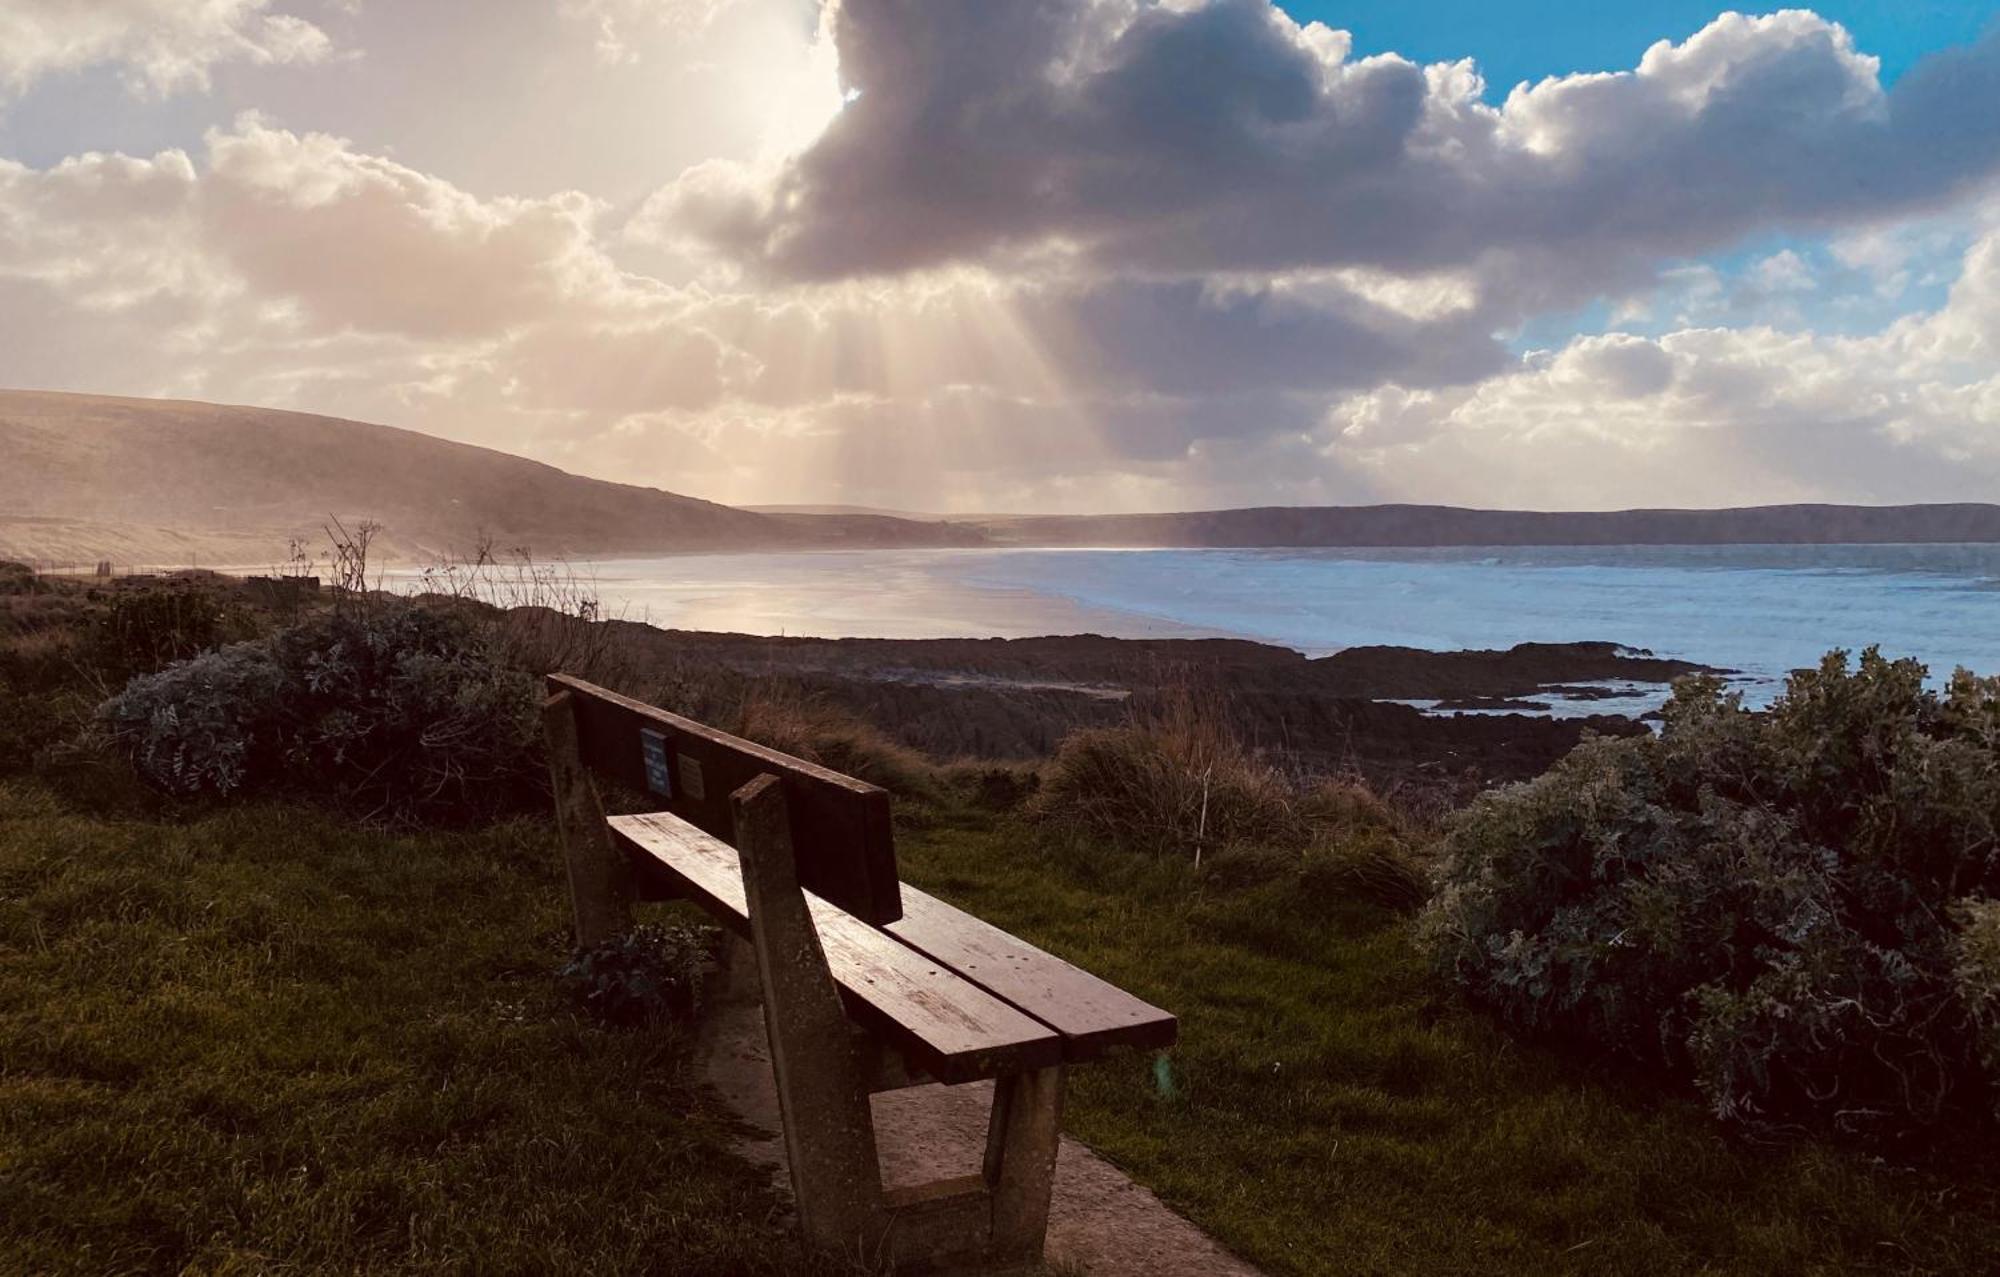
(1104, 338)
(1226, 137)
(1187, 338)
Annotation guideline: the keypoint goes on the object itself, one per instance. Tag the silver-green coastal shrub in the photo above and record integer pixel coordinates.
(211, 724)
(1791, 908)
(402, 712)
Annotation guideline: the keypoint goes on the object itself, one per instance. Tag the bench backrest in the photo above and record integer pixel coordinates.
(840, 825)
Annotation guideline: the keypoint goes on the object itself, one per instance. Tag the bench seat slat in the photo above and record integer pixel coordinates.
(946, 1025)
(1093, 1016)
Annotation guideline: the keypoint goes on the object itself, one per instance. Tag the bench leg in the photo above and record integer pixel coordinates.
(829, 1129)
(600, 878)
(1021, 1142)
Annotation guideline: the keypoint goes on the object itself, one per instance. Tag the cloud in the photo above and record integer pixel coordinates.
(159, 45)
(1710, 416)
(289, 268)
(1099, 255)
(1223, 136)
(358, 240)
(1783, 272)
(621, 24)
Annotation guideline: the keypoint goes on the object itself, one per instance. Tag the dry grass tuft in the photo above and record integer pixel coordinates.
(1174, 781)
(787, 719)
(1177, 782)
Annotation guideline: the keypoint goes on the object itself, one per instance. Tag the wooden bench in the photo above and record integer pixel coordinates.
(868, 984)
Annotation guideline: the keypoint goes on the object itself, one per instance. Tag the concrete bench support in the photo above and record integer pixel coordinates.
(997, 1218)
(1021, 1142)
(829, 1133)
(600, 875)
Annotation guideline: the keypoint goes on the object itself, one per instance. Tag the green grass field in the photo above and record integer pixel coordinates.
(1329, 1110)
(265, 1039)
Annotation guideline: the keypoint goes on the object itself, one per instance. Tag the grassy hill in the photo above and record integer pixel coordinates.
(175, 482)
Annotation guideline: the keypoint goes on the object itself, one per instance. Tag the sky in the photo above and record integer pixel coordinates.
(1047, 255)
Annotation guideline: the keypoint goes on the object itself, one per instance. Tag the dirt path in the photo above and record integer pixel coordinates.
(1100, 1222)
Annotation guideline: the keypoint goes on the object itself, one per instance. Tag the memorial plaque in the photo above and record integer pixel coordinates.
(691, 778)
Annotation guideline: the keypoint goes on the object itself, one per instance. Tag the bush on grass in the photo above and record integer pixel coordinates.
(1796, 909)
(400, 712)
(1378, 868)
(992, 786)
(1175, 781)
(18, 578)
(49, 685)
(649, 974)
(807, 727)
(140, 631)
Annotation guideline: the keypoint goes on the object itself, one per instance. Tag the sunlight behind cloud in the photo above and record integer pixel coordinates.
(800, 90)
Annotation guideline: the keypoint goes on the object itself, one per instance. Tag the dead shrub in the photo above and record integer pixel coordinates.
(546, 615)
(1340, 806)
(1175, 781)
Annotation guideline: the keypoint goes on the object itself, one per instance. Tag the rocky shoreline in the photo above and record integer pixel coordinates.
(1015, 699)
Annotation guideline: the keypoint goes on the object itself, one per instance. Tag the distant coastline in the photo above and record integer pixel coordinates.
(172, 483)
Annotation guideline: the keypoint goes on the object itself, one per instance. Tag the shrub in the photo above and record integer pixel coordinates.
(1791, 907)
(18, 578)
(650, 973)
(809, 728)
(140, 631)
(216, 724)
(409, 710)
(399, 711)
(992, 786)
(42, 696)
(1174, 781)
(1378, 869)
(1361, 849)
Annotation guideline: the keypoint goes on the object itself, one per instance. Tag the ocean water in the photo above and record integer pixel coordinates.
(1758, 610)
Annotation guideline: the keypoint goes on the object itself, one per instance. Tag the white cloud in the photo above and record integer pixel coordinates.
(1783, 272)
(1711, 416)
(290, 269)
(357, 240)
(159, 45)
(622, 25)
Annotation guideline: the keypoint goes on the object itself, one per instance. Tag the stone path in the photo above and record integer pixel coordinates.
(1100, 1222)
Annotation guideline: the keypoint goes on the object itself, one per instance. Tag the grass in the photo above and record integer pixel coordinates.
(266, 1039)
(269, 1041)
(1330, 1110)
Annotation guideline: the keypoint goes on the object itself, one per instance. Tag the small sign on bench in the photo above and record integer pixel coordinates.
(659, 777)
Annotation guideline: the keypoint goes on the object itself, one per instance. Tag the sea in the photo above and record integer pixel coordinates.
(1759, 611)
